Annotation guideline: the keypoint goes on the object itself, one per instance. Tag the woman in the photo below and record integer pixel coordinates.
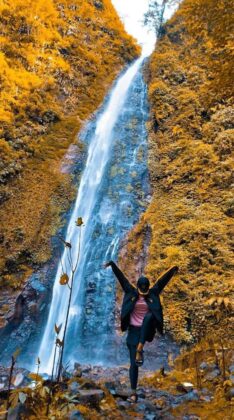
(141, 315)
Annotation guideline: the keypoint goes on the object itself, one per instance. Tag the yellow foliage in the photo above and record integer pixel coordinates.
(190, 146)
(57, 61)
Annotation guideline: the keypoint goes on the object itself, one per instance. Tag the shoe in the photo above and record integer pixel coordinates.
(132, 398)
(139, 362)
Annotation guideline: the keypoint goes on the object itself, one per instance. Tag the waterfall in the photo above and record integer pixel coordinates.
(99, 204)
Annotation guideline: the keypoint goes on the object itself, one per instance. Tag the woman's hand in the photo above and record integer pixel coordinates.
(176, 268)
(107, 264)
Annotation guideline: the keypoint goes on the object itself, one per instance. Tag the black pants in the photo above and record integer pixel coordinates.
(138, 335)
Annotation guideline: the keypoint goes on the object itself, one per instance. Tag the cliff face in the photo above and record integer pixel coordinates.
(58, 58)
(190, 141)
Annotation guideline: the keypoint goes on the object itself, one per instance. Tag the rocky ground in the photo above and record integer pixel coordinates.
(99, 392)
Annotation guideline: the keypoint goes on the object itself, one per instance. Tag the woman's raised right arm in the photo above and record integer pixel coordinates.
(125, 284)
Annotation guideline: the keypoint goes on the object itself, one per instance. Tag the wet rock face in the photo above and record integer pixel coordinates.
(24, 314)
(124, 188)
(17, 316)
(190, 218)
(26, 305)
(23, 317)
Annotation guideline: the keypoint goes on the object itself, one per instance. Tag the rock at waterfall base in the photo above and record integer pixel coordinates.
(91, 396)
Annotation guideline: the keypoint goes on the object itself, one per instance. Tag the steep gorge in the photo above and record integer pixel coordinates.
(58, 59)
(189, 221)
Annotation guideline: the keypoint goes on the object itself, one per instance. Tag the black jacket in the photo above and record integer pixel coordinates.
(153, 301)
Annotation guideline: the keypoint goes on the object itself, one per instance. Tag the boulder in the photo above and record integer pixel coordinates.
(205, 398)
(231, 369)
(212, 374)
(86, 369)
(90, 396)
(75, 415)
(185, 387)
(74, 387)
(120, 393)
(203, 366)
(123, 405)
(18, 380)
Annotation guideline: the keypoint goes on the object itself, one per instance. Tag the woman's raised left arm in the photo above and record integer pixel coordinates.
(164, 279)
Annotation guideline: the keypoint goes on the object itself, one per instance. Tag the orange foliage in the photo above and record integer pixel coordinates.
(190, 145)
(57, 60)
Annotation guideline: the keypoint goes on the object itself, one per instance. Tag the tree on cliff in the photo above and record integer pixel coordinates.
(155, 16)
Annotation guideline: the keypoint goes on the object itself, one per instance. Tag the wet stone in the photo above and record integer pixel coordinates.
(231, 369)
(141, 407)
(110, 385)
(120, 393)
(141, 394)
(185, 387)
(190, 396)
(203, 366)
(212, 375)
(205, 398)
(18, 380)
(148, 406)
(75, 415)
(211, 367)
(86, 369)
(90, 395)
(74, 387)
(123, 405)
(151, 416)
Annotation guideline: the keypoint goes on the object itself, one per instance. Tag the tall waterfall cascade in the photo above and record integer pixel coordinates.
(110, 198)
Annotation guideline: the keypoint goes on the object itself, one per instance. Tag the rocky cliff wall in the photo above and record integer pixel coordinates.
(58, 59)
(190, 218)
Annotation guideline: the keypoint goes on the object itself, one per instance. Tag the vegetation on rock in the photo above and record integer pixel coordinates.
(189, 219)
(206, 371)
(57, 60)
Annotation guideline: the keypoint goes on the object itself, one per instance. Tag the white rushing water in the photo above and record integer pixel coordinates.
(98, 155)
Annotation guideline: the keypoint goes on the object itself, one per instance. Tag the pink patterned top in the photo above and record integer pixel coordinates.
(139, 311)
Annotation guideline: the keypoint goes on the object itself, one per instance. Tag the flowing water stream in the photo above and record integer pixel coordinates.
(110, 198)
